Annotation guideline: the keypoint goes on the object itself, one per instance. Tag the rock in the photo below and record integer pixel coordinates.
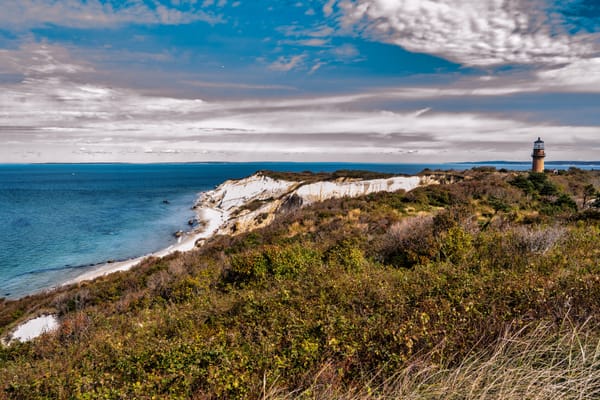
(166, 202)
(192, 222)
(178, 234)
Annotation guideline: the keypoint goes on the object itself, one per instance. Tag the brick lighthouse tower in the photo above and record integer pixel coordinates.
(538, 156)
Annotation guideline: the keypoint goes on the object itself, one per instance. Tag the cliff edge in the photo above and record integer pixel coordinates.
(254, 202)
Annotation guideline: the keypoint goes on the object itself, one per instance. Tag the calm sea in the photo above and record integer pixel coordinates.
(59, 220)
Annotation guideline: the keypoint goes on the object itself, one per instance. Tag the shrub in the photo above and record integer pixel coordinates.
(246, 266)
(529, 240)
(280, 261)
(456, 244)
(291, 260)
(346, 255)
(498, 204)
(535, 183)
(409, 242)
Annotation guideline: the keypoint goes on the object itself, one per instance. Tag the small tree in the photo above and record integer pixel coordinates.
(589, 192)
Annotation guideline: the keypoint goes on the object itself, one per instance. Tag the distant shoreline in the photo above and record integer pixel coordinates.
(450, 163)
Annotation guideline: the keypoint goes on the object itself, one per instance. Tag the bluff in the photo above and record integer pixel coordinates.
(254, 202)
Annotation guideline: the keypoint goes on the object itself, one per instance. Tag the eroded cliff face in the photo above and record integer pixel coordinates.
(320, 191)
(254, 202)
(232, 195)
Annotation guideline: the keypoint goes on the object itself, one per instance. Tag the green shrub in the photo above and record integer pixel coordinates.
(249, 265)
(456, 244)
(346, 255)
(289, 261)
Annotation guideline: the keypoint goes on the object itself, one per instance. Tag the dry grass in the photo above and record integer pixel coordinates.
(532, 363)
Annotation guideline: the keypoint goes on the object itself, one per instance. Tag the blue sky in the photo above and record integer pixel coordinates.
(339, 80)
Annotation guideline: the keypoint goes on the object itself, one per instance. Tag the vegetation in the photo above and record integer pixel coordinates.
(485, 288)
(311, 177)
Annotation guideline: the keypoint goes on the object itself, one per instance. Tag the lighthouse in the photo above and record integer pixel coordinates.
(538, 156)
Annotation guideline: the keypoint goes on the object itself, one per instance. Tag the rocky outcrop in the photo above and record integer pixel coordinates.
(254, 202)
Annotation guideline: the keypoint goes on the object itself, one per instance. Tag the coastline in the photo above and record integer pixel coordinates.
(234, 207)
(210, 218)
(224, 209)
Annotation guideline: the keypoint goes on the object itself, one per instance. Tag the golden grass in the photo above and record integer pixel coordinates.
(532, 363)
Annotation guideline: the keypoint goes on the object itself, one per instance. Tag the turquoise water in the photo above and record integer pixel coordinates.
(59, 220)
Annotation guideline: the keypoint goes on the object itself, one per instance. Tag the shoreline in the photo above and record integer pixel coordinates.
(237, 206)
(222, 210)
(212, 219)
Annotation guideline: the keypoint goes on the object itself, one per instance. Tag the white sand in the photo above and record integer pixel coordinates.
(35, 327)
(213, 218)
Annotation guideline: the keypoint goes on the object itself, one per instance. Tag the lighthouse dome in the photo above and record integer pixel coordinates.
(538, 144)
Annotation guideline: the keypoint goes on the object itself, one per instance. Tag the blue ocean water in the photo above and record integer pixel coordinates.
(59, 220)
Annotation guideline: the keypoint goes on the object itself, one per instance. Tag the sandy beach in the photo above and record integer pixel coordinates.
(210, 218)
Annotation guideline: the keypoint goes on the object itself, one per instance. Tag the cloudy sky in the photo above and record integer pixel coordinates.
(298, 80)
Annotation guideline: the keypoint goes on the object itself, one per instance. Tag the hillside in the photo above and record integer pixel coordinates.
(487, 286)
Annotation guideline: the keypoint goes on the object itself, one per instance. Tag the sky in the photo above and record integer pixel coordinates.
(406, 81)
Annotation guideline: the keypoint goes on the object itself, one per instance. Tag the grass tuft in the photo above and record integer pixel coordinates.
(533, 362)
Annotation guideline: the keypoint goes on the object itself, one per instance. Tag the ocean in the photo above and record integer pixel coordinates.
(58, 221)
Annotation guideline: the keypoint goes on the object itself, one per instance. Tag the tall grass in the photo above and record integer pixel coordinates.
(533, 362)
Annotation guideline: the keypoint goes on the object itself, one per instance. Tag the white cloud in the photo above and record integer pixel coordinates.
(49, 115)
(315, 68)
(328, 7)
(34, 59)
(319, 31)
(306, 42)
(285, 64)
(24, 14)
(470, 32)
(422, 111)
(314, 42)
(345, 51)
(579, 76)
(234, 85)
